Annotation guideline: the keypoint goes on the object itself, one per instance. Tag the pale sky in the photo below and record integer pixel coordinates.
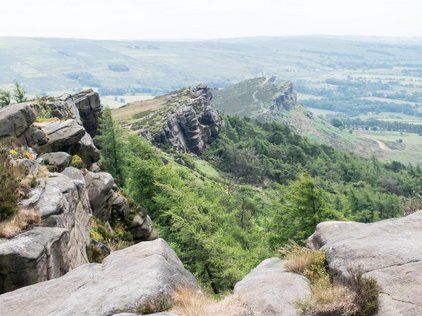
(198, 19)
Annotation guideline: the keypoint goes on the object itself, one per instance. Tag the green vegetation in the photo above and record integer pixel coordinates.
(360, 189)
(77, 162)
(112, 152)
(5, 98)
(9, 193)
(19, 93)
(261, 184)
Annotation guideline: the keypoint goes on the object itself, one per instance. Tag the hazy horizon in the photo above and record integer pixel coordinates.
(192, 20)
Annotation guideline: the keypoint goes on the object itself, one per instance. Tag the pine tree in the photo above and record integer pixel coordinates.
(304, 207)
(111, 146)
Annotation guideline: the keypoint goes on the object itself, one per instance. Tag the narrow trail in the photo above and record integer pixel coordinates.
(381, 145)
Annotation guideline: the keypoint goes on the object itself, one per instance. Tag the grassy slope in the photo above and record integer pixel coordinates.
(253, 97)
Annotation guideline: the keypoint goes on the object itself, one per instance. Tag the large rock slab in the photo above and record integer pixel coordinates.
(388, 250)
(60, 160)
(15, 119)
(90, 109)
(125, 280)
(87, 150)
(63, 202)
(62, 135)
(100, 187)
(270, 290)
(34, 256)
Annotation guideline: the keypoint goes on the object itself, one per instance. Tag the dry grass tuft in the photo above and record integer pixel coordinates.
(18, 223)
(356, 296)
(189, 302)
(329, 301)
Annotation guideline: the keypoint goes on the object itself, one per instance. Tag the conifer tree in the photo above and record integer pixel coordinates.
(111, 146)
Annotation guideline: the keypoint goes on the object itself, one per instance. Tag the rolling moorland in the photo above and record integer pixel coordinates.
(346, 78)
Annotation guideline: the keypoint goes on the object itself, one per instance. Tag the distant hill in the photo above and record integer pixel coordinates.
(126, 67)
(266, 99)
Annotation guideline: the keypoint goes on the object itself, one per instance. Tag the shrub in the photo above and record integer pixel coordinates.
(155, 304)
(356, 296)
(9, 192)
(306, 262)
(367, 293)
(77, 162)
(94, 254)
(20, 222)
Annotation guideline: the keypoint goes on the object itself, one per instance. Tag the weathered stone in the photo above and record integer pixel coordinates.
(100, 191)
(31, 166)
(15, 119)
(74, 174)
(270, 290)
(34, 136)
(120, 205)
(90, 109)
(86, 149)
(124, 281)
(64, 108)
(62, 135)
(61, 160)
(388, 250)
(141, 227)
(191, 126)
(34, 256)
(63, 202)
(286, 98)
(95, 168)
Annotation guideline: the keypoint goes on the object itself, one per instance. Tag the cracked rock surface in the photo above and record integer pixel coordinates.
(388, 250)
(126, 279)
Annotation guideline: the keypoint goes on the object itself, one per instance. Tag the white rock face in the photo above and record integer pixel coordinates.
(123, 282)
(270, 290)
(388, 250)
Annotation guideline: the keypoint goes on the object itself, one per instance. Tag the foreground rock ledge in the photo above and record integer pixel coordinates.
(125, 280)
(270, 290)
(388, 250)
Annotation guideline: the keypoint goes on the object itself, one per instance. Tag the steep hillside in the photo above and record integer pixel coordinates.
(266, 99)
(183, 120)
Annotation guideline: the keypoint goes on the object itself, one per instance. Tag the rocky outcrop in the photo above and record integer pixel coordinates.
(126, 281)
(62, 135)
(60, 245)
(63, 200)
(34, 256)
(90, 109)
(190, 124)
(100, 188)
(59, 160)
(286, 98)
(388, 250)
(16, 119)
(87, 150)
(270, 290)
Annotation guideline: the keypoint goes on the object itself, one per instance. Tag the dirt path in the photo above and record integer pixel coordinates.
(381, 145)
